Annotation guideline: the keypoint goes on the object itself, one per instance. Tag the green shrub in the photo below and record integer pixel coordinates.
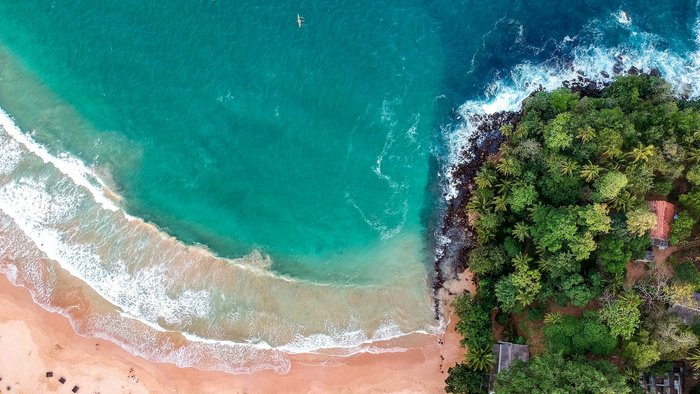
(474, 323)
(522, 197)
(695, 328)
(572, 336)
(507, 294)
(609, 185)
(686, 272)
(662, 186)
(503, 319)
(463, 380)
(536, 314)
(693, 175)
(511, 246)
(641, 353)
(488, 259)
(578, 292)
(623, 315)
(681, 228)
(691, 201)
(613, 254)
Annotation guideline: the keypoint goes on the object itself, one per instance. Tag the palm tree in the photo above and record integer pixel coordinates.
(484, 235)
(521, 183)
(615, 282)
(507, 166)
(568, 167)
(623, 201)
(690, 139)
(586, 133)
(694, 359)
(499, 202)
(506, 150)
(544, 263)
(590, 171)
(628, 298)
(485, 178)
(693, 155)
(534, 208)
(520, 132)
(507, 130)
(521, 231)
(631, 375)
(540, 250)
(504, 186)
(480, 358)
(521, 260)
(642, 153)
(612, 152)
(552, 318)
(477, 204)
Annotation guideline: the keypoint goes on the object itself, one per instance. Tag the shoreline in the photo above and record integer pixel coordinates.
(33, 328)
(252, 263)
(37, 341)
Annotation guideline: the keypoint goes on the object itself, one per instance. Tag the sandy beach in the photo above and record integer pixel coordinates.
(35, 341)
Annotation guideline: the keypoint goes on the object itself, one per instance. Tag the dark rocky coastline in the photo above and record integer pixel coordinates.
(486, 140)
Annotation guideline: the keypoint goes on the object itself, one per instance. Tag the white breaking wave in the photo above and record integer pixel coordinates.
(68, 165)
(158, 288)
(623, 18)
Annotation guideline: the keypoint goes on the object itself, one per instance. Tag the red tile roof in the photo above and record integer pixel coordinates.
(664, 211)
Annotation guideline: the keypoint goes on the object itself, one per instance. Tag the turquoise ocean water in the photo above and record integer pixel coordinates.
(309, 161)
(229, 126)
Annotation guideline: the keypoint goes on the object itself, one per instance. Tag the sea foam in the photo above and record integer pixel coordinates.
(119, 278)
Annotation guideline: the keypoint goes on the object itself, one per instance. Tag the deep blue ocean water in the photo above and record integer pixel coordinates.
(324, 147)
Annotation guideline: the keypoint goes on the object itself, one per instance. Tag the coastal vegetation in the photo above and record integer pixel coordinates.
(559, 216)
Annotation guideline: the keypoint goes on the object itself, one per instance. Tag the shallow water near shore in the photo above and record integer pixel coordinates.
(212, 186)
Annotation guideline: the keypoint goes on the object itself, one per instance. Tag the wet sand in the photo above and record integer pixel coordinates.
(34, 341)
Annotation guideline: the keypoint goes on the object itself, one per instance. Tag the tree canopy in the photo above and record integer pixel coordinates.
(560, 212)
(553, 374)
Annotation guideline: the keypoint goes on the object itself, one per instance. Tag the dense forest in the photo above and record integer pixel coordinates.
(561, 214)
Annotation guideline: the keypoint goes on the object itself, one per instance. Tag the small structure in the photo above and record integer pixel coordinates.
(75, 389)
(62, 380)
(505, 353)
(49, 374)
(648, 257)
(669, 383)
(664, 211)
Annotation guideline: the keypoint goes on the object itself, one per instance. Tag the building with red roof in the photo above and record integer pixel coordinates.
(664, 211)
